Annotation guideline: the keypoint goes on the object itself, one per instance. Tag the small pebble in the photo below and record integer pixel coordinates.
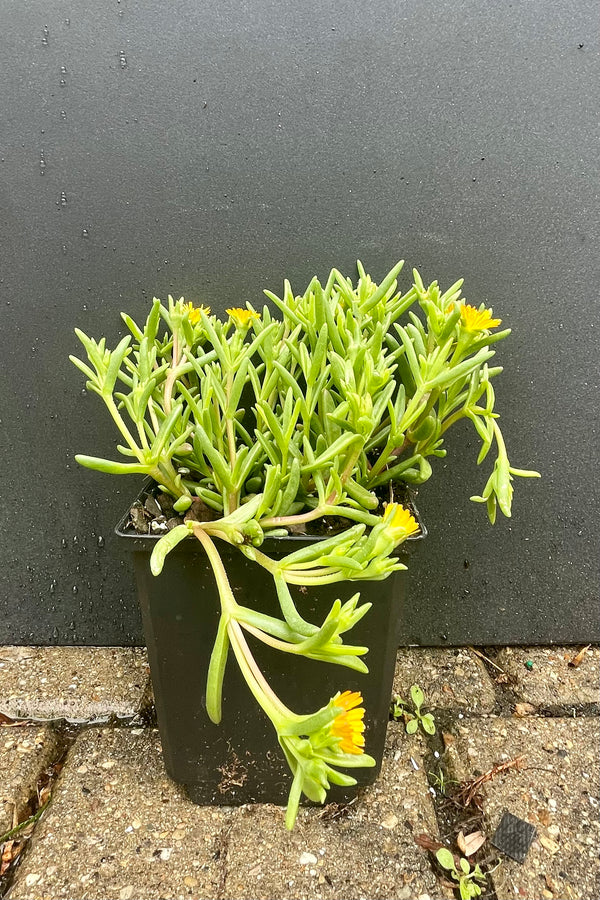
(307, 859)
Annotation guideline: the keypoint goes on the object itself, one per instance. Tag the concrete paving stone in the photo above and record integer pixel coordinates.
(551, 680)
(118, 827)
(366, 849)
(450, 679)
(24, 754)
(557, 791)
(76, 683)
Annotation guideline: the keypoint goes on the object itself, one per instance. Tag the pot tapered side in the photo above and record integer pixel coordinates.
(240, 761)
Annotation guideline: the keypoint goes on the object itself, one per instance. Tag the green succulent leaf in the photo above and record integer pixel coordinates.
(167, 543)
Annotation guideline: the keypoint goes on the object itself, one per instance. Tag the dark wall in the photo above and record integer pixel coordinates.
(211, 149)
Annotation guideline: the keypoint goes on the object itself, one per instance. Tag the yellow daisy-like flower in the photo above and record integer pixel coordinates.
(242, 317)
(399, 521)
(194, 312)
(348, 724)
(477, 319)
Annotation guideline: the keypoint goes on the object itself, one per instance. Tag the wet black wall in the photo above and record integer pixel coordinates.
(212, 149)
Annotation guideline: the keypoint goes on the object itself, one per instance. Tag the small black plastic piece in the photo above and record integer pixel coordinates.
(514, 837)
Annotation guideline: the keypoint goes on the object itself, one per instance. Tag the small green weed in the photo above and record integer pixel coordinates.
(440, 782)
(412, 715)
(469, 881)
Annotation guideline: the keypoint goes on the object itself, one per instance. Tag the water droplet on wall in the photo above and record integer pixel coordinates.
(63, 198)
(63, 115)
(85, 233)
(42, 162)
(122, 59)
(45, 35)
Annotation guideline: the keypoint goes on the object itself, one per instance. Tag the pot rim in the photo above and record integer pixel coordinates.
(301, 539)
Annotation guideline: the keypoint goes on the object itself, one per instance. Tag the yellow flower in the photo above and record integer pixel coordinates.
(399, 521)
(348, 724)
(194, 312)
(242, 317)
(477, 319)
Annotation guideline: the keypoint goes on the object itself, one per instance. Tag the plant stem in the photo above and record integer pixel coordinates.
(256, 681)
(328, 509)
(286, 646)
(118, 419)
(451, 420)
(22, 825)
(153, 418)
(278, 521)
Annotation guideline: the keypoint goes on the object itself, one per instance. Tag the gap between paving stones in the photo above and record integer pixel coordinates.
(363, 853)
(75, 683)
(511, 707)
(505, 697)
(50, 766)
(518, 685)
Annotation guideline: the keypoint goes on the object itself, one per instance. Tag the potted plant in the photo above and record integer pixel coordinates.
(278, 447)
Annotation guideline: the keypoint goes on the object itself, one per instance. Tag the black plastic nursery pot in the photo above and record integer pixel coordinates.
(240, 760)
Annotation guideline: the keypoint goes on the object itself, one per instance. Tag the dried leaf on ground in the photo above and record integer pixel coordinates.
(576, 661)
(7, 722)
(10, 851)
(469, 791)
(44, 794)
(488, 660)
(523, 709)
(427, 843)
(470, 843)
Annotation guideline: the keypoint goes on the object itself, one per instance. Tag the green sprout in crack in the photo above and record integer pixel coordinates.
(412, 715)
(440, 782)
(470, 882)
